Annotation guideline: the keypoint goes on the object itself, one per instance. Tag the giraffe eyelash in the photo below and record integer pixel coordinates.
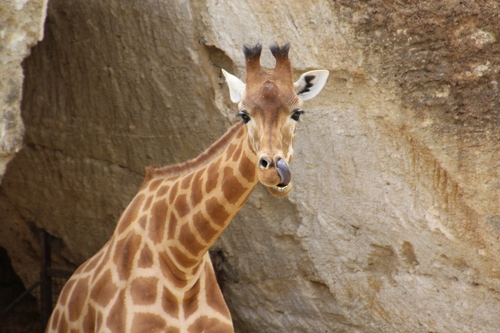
(296, 114)
(244, 115)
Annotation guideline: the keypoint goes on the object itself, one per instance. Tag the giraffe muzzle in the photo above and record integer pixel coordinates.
(275, 175)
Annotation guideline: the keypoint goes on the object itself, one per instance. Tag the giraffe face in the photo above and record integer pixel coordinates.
(271, 114)
(270, 105)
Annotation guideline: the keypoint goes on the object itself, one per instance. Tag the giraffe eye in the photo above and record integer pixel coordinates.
(296, 114)
(246, 118)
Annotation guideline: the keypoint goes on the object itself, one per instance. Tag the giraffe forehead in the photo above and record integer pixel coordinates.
(269, 99)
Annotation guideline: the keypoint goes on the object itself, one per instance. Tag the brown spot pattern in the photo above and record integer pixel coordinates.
(142, 221)
(173, 192)
(130, 214)
(62, 327)
(230, 151)
(154, 185)
(148, 322)
(209, 325)
(143, 290)
(190, 301)
(169, 303)
(117, 252)
(196, 189)
(203, 227)
(172, 225)
(78, 299)
(147, 204)
(92, 262)
(125, 255)
(66, 291)
(186, 182)
(172, 330)
(214, 296)
(212, 176)
(98, 322)
(117, 316)
(89, 321)
(162, 191)
(188, 240)
(81, 268)
(146, 257)
(107, 250)
(244, 200)
(158, 220)
(171, 272)
(240, 133)
(232, 188)
(247, 169)
(181, 206)
(237, 153)
(104, 289)
(181, 258)
(216, 211)
(55, 319)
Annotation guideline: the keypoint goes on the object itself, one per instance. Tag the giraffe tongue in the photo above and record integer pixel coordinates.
(284, 173)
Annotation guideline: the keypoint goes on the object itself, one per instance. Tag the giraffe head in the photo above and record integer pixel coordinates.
(270, 104)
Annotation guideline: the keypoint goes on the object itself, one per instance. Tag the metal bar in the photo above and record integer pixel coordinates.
(45, 281)
(19, 299)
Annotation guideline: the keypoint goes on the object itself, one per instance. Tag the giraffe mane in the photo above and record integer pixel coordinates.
(176, 170)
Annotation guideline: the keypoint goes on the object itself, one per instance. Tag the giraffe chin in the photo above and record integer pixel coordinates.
(280, 191)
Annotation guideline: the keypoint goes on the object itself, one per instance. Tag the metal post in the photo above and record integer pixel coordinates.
(45, 281)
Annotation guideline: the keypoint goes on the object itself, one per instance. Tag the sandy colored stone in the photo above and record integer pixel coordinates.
(393, 224)
(21, 26)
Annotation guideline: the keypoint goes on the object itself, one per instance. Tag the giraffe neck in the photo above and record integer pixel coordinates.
(190, 208)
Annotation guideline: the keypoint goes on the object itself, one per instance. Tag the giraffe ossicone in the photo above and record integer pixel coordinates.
(154, 274)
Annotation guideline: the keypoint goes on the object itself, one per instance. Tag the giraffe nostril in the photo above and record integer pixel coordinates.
(265, 162)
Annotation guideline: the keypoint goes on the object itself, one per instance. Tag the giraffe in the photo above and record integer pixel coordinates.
(154, 274)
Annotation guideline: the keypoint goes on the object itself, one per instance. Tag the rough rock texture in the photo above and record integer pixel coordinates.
(394, 222)
(21, 26)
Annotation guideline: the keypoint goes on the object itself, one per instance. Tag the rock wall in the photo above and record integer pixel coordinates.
(21, 26)
(394, 222)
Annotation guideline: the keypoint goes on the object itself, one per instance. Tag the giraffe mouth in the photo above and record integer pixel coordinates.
(280, 190)
(278, 173)
(281, 187)
(285, 185)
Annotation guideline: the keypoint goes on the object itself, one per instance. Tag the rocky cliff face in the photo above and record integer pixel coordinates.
(394, 222)
(21, 26)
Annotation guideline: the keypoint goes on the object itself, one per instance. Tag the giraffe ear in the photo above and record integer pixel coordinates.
(311, 83)
(236, 87)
